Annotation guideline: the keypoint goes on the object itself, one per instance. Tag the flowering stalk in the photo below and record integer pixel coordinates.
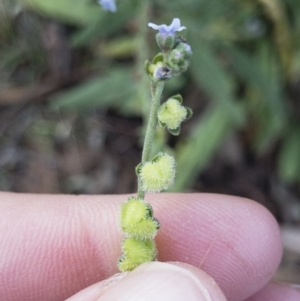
(158, 173)
(156, 92)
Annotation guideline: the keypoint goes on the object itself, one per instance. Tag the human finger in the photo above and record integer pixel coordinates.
(155, 281)
(54, 246)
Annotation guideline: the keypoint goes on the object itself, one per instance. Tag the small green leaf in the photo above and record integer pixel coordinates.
(178, 97)
(189, 113)
(175, 132)
(158, 58)
(157, 157)
(138, 168)
(147, 67)
(149, 210)
(109, 90)
(161, 124)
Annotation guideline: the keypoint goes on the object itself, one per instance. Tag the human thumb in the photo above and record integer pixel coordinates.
(155, 281)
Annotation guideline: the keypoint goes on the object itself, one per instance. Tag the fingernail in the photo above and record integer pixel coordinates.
(163, 281)
(94, 291)
(113, 280)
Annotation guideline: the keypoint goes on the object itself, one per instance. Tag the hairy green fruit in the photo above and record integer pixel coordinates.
(172, 113)
(136, 252)
(137, 220)
(159, 174)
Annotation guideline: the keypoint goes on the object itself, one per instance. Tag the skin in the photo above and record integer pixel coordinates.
(54, 246)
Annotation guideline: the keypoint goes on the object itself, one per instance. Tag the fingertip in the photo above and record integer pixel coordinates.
(235, 240)
(95, 291)
(161, 281)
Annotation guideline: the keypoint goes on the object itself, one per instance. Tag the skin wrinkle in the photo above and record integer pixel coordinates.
(196, 256)
(90, 238)
(79, 235)
(243, 257)
(68, 246)
(27, 246)
(64, 249)
(185, 226)
(233, 271)
(209, 249)
(239, 261)
(92, 251)
(115, 237)
(56, 246)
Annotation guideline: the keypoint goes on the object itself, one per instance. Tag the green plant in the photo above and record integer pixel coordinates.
(158, 173)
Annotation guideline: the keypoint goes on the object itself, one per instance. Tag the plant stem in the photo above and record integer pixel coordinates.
(156, 91)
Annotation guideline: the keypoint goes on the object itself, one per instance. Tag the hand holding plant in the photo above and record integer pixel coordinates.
(54, 246)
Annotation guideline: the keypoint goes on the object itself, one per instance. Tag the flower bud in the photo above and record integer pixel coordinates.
(176, 57)
(178, 60)
(162, 72)
(165, 42)
(184, 66)
(166, 34)
(157, 70)
(185, 49)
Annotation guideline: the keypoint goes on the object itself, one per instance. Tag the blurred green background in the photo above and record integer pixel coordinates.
(74, 98)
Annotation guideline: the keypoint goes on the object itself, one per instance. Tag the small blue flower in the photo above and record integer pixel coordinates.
(108, 5)
(168, 30)
(162, 73)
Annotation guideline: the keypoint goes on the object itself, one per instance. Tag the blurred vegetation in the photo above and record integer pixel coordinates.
(71, 72)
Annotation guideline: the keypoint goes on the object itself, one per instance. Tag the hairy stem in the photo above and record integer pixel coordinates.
(156, 91)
